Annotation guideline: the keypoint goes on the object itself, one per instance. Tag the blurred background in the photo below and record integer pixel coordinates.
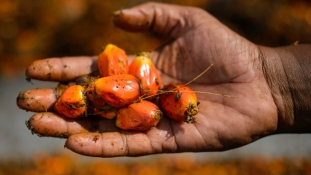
(31, 30)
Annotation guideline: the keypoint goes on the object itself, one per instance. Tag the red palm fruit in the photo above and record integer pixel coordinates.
(112, 61)
(140, 116)
(118, 90)
(72, 102)
(144, 70)
(97, 105)
(93, 98)
(179, 102)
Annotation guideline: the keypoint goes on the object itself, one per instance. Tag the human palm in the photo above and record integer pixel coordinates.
(236, 105)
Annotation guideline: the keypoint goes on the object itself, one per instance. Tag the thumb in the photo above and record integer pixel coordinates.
(170, 20)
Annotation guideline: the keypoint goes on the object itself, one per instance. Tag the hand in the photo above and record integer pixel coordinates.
(198, 40)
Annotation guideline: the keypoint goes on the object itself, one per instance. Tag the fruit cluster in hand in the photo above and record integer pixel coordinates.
(131, 93)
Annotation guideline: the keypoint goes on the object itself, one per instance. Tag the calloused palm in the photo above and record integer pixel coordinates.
(198, 40)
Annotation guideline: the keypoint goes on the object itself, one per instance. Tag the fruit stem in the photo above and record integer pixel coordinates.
(199, 75)
(211, 93)
(174, 90)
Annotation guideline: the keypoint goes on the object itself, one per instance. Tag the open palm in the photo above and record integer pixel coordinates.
(236, 105)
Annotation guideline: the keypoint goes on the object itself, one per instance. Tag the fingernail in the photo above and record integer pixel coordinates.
(119, 12)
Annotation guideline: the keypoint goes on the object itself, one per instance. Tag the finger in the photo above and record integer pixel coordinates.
(37, 100)
(168, 137)
(61, 69)
(53, 125)
(171, 20)
(158, 139)
(111, 144)
(40, 100)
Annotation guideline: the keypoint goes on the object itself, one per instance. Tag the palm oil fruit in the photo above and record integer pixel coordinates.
(94, 100)
(144, 70)
(97, 105)
(72, 102)
(112, 61)
(179, 102)
(140, 116)
(118, 90)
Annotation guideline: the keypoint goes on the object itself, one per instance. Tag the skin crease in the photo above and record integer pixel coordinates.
(198, 40)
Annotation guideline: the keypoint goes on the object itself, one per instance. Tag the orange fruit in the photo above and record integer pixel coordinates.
(112, 61)
(144, 70)
(72, 102)
(118, 90)
(94, 99)
(97, 105)
(179, 102)
(140, 116)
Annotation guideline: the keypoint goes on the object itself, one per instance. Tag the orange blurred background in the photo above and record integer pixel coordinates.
(31, 30)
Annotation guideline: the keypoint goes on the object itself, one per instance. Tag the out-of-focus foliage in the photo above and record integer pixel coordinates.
(31, 30)
(65, 164)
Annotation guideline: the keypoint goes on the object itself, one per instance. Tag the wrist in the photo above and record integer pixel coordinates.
(286, 70)
(277, 81)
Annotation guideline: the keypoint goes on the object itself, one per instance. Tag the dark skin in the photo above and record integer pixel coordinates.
(250, 73)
